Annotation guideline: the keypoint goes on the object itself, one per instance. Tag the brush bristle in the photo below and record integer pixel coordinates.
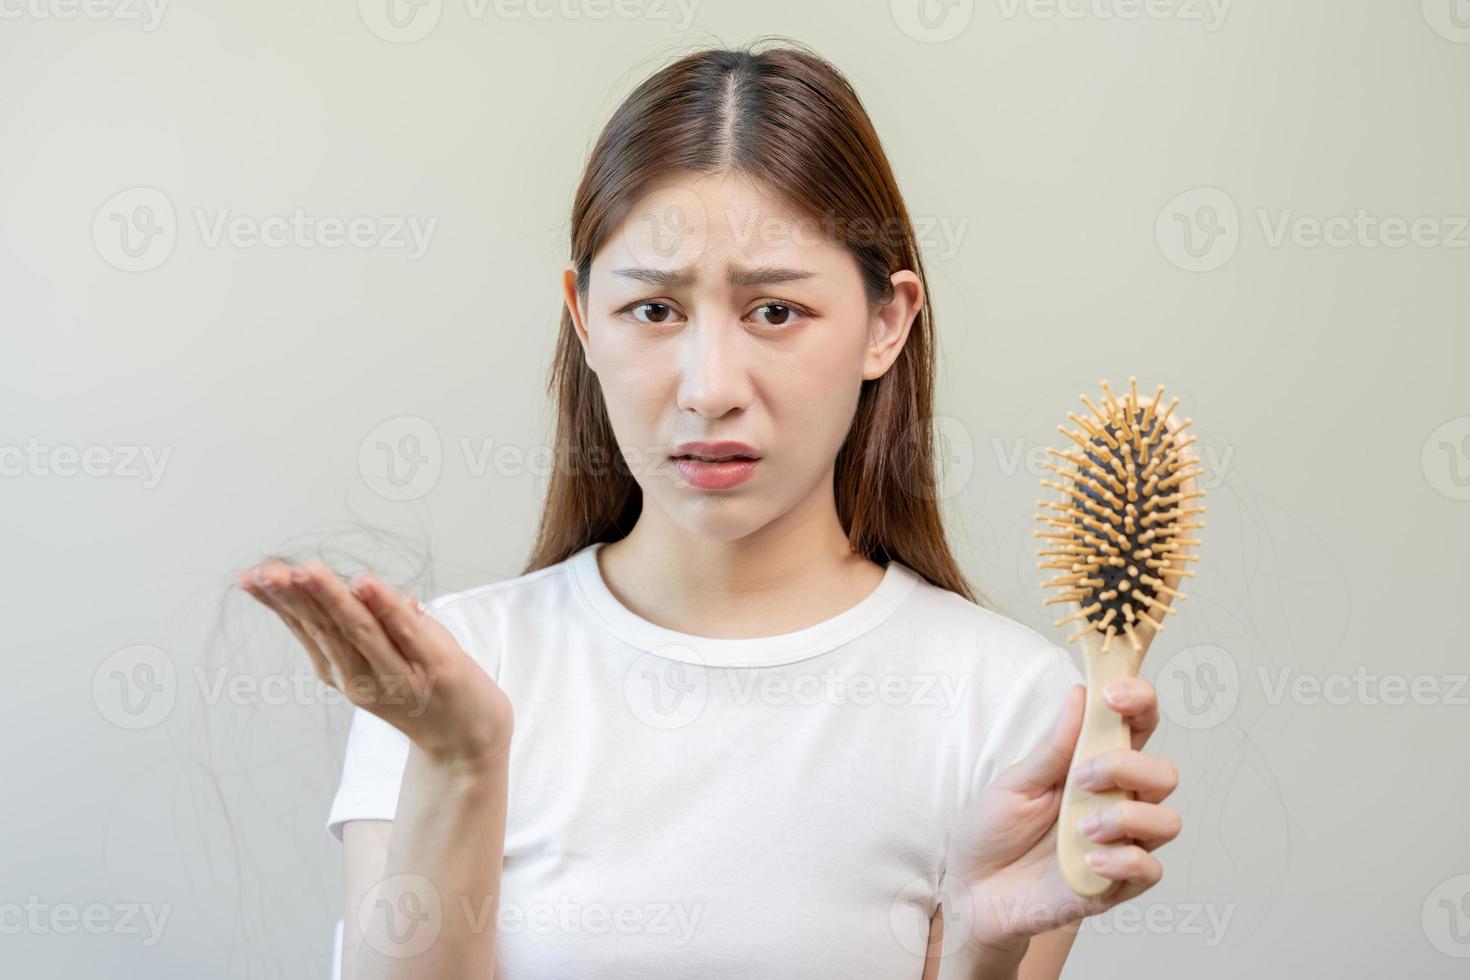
(1119, 537)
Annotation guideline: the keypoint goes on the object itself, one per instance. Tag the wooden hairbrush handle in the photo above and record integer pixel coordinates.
(1103, 729)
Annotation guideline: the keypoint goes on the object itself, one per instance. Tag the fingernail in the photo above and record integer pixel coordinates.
(1090, 823)
(1097, 860)
(1083, 772)
(259, 576)
(1115, 693)
(298, 575)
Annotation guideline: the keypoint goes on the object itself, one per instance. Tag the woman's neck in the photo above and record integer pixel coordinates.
(792, 573)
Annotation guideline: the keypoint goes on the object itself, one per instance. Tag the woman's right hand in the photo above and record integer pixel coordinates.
(379, 649)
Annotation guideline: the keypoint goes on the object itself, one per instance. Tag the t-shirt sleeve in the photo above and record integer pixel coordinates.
(1028, 714)
(372, 771)
(376, 755)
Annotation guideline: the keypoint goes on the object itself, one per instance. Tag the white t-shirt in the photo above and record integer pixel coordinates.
(687, 807)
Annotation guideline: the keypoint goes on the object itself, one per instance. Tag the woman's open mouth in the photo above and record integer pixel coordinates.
(715, 466)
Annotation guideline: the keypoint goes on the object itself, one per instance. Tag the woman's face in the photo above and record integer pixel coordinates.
(715, 313)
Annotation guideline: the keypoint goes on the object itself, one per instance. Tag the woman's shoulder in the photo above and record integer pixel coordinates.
(519, 588)
(487, 617)
(989, 640)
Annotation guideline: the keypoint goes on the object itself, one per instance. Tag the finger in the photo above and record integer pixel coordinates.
(1150, 778)
(250, 580)
(356, 624)
(1136, 700)
(1047, 764)
(1149, 825)
(402, 617)
(1128, 863)
(346, 661)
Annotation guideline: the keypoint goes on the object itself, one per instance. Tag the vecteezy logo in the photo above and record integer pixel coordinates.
(932, 21)
(135, 230)
(669, 229)
(1199, 230)
(666, 687)
(1450, 19)
(1199, 687)
(400, 21)
(135, 687)
(910, 924)
(402, 458)
(1446, 916)
(411, 912)
(1446, 459)
(954, 458)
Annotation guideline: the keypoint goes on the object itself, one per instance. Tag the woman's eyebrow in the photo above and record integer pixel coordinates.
(761, 275)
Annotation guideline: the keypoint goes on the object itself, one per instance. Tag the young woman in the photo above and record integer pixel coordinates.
(761, 727)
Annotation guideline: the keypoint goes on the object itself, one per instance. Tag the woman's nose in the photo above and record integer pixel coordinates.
(714, 379)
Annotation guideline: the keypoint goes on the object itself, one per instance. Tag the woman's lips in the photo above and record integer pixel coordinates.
(705, 475)
(715, 465)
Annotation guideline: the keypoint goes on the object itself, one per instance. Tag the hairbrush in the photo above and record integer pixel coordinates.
(1118, 540)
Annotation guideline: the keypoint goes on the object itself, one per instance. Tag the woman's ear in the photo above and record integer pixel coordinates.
(573, 302)
(889, 326)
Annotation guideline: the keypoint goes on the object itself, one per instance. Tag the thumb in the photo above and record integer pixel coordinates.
(1046, 765)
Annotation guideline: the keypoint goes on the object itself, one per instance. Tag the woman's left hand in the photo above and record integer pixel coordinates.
(1004, 846)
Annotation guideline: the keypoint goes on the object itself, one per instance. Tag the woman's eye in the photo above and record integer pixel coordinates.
(770, 314)
(779, 314)
(657, 312)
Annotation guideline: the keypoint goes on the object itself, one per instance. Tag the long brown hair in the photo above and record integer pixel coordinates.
(788, 119)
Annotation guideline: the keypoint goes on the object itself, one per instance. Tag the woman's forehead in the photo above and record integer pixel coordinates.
(684, 244)
(727, 216)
